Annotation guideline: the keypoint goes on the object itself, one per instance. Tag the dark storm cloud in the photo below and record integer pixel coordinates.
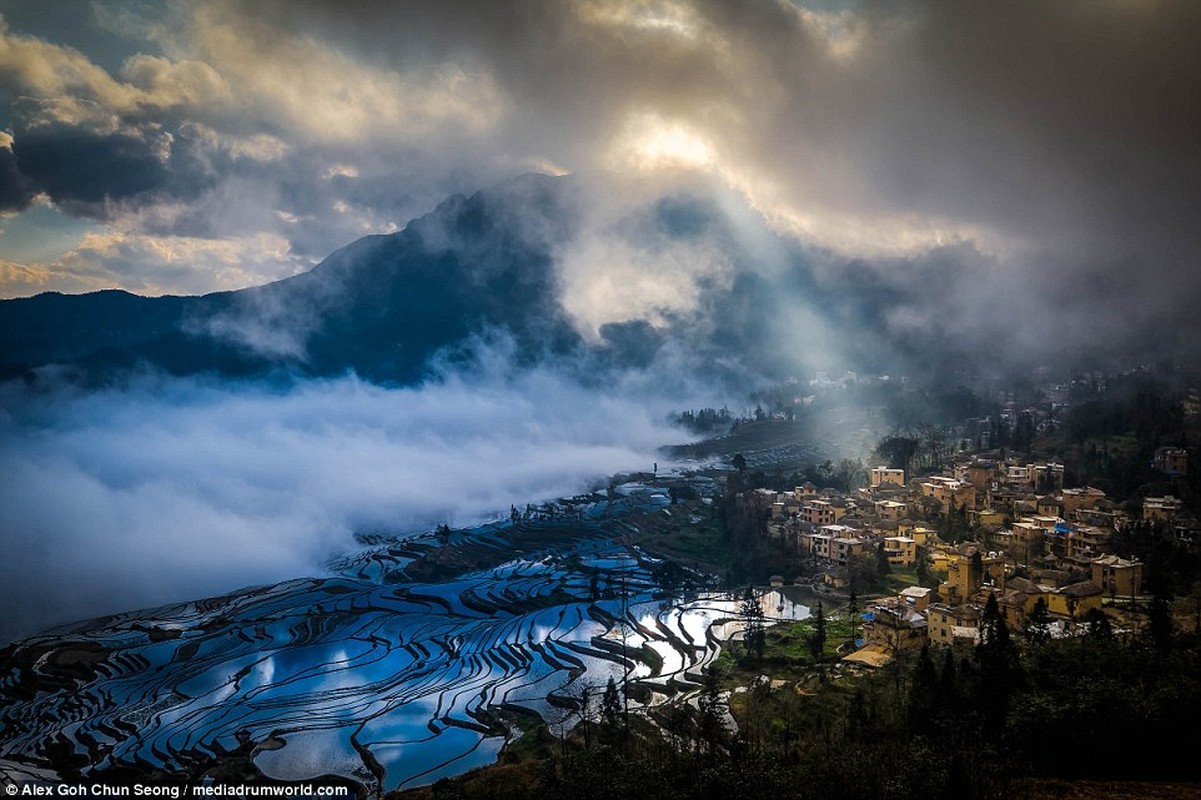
(1005, 113)
(16, 190)
(1053, 143)
(1031, 118)
(82, 170)
(1060, 138)
(1097, 104)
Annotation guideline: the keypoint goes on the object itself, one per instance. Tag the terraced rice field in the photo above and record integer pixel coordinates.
(392, 673)
(815, 436)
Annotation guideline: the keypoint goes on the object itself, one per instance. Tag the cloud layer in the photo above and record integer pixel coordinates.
(167, 490)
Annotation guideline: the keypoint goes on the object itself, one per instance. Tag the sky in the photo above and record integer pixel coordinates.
(1020, 175)
(166, 147)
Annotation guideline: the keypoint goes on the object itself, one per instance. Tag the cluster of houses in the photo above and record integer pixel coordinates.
(1034, 540)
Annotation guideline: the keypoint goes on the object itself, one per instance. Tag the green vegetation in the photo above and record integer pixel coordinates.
(956, 725)
(728, 539)
(788, 651)
(898, 579)
(692, 535)
(706, 420)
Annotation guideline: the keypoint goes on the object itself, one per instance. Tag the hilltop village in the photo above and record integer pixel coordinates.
(1044, 554)
(947, 521)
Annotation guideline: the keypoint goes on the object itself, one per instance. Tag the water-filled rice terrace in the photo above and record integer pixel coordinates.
(395, 672)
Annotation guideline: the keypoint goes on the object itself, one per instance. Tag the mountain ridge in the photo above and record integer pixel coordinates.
(382, 305)
(687, 279)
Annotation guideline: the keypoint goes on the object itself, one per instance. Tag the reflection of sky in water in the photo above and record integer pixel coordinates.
(414, 672)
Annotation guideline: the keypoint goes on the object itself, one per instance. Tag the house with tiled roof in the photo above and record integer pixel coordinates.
(1117, 576)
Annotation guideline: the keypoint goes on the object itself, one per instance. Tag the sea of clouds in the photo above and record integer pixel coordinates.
(163, 489)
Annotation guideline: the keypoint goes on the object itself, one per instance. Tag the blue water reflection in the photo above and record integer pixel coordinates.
(384, 674)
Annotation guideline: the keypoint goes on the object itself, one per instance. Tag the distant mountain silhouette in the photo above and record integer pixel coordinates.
(385, 306)
(381, 306)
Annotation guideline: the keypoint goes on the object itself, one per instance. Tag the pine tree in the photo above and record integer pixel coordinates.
(817, 640)
(883, 567)
(753, 635)
(610, 703)
(1099, 628)
(999, 669)
(922, 566)
(1037, 629)
(1159, 622)
(994, 633)
(711, 725)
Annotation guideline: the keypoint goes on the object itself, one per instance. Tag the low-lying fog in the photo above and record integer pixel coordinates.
(173, 489)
